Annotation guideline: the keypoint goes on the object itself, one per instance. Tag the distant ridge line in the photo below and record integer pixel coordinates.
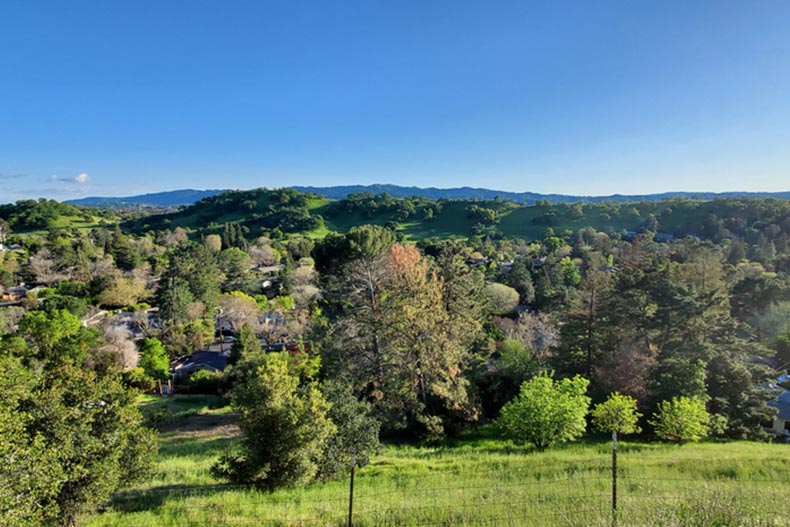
(175, 198)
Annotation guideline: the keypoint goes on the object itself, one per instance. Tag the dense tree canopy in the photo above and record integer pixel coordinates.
(78, 435)
(675, 306)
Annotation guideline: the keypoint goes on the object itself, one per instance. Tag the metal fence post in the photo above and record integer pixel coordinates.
(614, 478)
(351, 489)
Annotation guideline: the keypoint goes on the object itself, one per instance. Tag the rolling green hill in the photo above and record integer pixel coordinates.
(288, 211)
(39, 216)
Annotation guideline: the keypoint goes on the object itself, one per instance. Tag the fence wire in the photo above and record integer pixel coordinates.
(567, 493)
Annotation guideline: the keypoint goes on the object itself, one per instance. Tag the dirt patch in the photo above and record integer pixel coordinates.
(222, 425)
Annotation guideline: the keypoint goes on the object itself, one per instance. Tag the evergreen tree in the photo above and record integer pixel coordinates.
(285, 428)
(80, 436)
(246, 345)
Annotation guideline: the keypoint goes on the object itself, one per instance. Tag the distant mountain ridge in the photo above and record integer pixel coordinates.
(175, 198)
(170, 198)
(396, 191)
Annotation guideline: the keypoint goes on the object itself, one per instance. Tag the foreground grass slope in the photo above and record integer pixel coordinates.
(475, 480)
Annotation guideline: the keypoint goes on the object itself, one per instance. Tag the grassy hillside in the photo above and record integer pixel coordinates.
(290, 212)
(476, 480)
(31, 216)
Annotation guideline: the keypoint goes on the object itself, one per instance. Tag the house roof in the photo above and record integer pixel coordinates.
(213, 359)
(782, 404)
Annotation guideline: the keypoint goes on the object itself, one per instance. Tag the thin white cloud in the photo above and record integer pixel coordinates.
(12, 175)
(80, 179)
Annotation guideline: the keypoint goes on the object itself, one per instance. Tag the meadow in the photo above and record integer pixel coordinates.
(473, 480)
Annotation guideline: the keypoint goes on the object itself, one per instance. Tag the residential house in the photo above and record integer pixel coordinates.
(537, 261)
(781, 424)
(213, 359)
(272, 320)
(14, 294)
(506, 266)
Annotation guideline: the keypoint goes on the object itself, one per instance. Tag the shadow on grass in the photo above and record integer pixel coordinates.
(146, 500)
(194, 446)
(197, 423)
(486, 440)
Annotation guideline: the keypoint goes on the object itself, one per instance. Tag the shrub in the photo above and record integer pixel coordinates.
(205, 382)
(547, 411)
(682, 419)
(617, 414)
(502, 299)
(137, 378)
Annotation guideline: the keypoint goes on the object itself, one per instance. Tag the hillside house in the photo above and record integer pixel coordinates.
(269, 270)
(781, 424)
(212, 359)
(272, 321)
(13, 294)
(537, 261)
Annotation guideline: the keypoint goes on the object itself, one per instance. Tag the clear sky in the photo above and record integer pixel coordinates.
(589, 97)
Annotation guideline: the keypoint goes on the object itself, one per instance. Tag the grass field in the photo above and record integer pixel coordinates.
(475, 480)
(80, 223)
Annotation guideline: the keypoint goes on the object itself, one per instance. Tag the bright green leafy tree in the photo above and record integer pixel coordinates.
(682, 419)
(50, 333)
(154, 359)
(617, 414)
(546, 411)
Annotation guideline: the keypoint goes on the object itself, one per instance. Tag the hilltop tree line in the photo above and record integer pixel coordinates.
(382, 337)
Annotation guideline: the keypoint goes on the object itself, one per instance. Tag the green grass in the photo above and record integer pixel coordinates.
(525, 221)
(474, 480)
(678, 216)
(71, 223)
(174, 410)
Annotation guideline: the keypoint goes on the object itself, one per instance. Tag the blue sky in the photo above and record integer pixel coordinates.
(120, 98)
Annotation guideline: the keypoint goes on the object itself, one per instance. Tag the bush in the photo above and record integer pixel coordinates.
(205, 382)
(137, 378)
(681, 420)
(617, 414)
(502, 299)
(547, 411)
